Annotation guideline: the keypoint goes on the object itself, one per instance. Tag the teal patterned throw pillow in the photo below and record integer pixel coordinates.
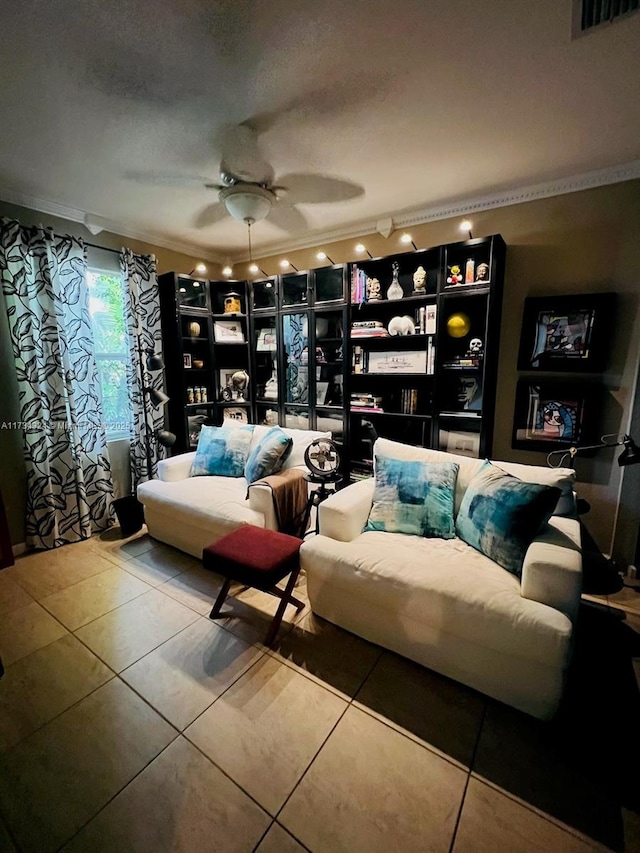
(501, 514)
(222, 452)
(414, 497)
(269, 455)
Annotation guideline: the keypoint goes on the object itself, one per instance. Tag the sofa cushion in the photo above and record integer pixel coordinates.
(500, 515)
(222, 452)
(268, 455)
(563, 478)
(302, 438)
(413, 497)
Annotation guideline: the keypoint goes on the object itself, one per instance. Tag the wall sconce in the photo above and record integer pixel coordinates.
(360, 248)
(227, 270)
(284, 263)
(254, 269)
(322, 256)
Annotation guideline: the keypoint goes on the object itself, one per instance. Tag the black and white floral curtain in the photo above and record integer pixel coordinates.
(69, 484)
(142, 318)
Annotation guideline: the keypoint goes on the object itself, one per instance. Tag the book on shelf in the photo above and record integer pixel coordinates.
(409, 401)
(367, 324)
(371, 409)
(431, 357)
(365, 399)
(369, 333)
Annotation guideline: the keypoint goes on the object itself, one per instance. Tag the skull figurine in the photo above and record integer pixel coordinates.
(475, 346)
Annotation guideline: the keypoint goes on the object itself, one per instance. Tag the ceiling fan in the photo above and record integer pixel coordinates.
(248, 191)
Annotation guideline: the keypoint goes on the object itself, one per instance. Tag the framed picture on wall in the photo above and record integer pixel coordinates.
(551, 415)
(566, 333)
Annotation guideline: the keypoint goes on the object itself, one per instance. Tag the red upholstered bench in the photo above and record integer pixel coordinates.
(257, 557)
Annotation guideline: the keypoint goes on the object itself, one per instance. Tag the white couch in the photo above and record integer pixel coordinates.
(444, 604)
(192, 512)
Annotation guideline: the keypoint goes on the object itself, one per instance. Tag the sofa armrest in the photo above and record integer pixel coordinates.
(344, 514)
(260, 497)
(175, 468)
(552, 568)
(261, 500)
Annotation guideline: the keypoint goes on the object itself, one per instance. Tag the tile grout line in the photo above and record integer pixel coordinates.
(333, 728)
(468, 779)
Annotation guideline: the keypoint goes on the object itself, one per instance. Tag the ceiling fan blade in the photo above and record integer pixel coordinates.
(241, 157)
(317, 189)
(163, 179)
(209, 215)
(287, 218)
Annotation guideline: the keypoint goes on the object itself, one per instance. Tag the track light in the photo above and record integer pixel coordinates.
(199, 268)
(284, 263)
(254, 269)
(155, 361)
(360, 248)
(465, 225)
(157, 397)
(165, 437)
(406, 238)
(322, 256)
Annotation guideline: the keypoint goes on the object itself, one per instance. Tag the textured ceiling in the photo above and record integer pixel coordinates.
(421, 103)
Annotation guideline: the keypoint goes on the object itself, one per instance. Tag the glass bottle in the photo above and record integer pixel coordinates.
(395, 290)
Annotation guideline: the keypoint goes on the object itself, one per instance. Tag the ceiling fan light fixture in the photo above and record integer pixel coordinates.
(247, 201)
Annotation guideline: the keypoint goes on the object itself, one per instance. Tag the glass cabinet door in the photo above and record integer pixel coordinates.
(329, 285)
(192, 293)
(295, 289)
(264, 294)
(265, 347)
(329, 363)
(296, 347)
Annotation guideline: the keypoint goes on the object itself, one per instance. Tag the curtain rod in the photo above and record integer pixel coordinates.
(104, 248)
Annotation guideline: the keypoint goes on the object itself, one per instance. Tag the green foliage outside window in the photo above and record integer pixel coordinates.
(111, 350)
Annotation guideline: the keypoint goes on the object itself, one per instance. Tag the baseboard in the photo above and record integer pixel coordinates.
(19, 549)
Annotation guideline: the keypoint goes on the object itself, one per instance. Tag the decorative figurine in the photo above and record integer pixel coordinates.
(373, 290)
(475, 348)
(395, 290)
(232, 303)
(237, 387)
(419, 281)
(401, 325)
(194, 329)
(469, 271)
(482, 272)
(455, 275)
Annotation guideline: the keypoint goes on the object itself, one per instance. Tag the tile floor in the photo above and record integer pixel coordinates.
(131, 722)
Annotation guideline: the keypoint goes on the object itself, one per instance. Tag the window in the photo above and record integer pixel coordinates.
(111, 350)
(588, 14)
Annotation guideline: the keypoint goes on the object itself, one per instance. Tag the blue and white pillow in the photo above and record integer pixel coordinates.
(500, 515)
(414, 497)
(222, 452)
(269, 455)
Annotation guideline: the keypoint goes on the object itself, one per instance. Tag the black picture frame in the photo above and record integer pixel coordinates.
(566, 333)
(551, 415)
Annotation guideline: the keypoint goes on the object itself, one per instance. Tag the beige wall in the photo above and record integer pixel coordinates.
(12, 473)
(585, 242)
(579, 243)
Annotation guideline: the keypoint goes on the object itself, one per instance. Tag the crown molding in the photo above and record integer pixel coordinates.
(563, 186)
(547, 189)
(53, 208)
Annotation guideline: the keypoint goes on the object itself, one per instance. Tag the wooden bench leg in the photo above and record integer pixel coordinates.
(287, 598)
(215, 610)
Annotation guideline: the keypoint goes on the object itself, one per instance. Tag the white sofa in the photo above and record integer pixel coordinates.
(444, 604)
(192, 512)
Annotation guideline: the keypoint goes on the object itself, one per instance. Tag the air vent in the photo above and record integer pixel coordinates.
(593, 13)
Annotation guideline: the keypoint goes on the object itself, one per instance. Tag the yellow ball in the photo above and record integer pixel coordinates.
(458, 325)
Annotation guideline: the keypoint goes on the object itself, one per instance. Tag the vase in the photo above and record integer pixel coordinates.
(395, 290)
